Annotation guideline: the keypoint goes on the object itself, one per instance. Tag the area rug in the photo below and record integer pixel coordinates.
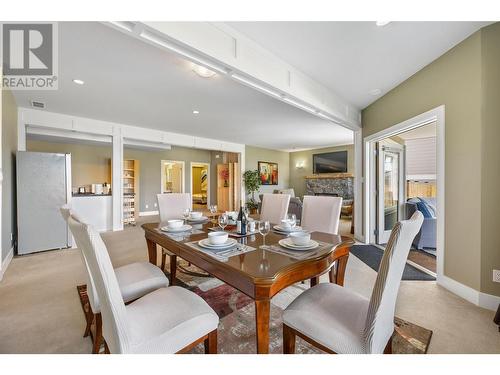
(372, 256)
(236, 332)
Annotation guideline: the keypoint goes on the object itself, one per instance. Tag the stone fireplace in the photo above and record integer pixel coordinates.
(338, 184)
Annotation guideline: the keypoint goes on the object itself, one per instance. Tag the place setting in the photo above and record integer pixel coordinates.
(220, 246)
(194, 217)
(178, 230)
(287, 226)
(298, 243)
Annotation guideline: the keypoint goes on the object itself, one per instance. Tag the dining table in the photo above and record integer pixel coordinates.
(260, 270)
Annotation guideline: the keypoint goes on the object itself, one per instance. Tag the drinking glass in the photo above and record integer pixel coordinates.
(223, 220)
(186, 213)
(213, 211)
(246, 212)
(264, 228)
(292, 219)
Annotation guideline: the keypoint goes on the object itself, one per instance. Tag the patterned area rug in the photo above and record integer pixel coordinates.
(236, 333)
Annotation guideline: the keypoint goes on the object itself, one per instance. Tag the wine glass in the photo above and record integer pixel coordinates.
(186, 213)
(264, 228)
(292, 219)
(246, 212)
(223, 221)
(213, 211)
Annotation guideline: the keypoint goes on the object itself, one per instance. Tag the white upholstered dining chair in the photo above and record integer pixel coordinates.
(135, 280)
(171, 206)
(338, 320)
(167, 320)
(274, 207)
(322, 214)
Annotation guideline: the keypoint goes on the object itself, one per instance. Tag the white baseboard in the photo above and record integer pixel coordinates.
(148, 213)
(489, 301)
(5, 263)
(486, 301)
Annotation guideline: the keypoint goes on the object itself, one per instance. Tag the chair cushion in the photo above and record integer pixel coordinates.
(332, 316)
(168, 320)
(138, 279)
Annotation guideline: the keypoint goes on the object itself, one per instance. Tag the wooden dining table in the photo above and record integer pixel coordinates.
(260, 274)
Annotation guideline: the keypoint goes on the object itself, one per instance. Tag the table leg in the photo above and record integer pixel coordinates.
(314, 281)
(262, 315)
(152, 251)
(173, 268)
(340, 267)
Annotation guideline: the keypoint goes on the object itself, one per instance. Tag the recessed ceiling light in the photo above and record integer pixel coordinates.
(78, 81)
(202, 71)
(375, 92)
(195, 112)
(382, 23)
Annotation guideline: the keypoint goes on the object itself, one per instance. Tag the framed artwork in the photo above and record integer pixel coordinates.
(268, 173)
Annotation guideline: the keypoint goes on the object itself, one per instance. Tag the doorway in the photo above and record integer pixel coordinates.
(200, 185)
(172, 176)
(404, 173)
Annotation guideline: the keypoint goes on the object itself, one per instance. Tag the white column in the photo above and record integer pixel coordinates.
(117, 177)
(358, 186)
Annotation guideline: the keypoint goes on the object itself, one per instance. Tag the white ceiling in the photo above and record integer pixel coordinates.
(130, 82)
(353, 58)
(426, 131)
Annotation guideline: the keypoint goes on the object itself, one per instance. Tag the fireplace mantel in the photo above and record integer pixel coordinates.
(329, 175)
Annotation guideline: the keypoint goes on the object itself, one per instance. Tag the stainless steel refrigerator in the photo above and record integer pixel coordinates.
(43, 186)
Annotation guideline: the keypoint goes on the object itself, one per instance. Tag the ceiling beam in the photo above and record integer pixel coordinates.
(226, 51)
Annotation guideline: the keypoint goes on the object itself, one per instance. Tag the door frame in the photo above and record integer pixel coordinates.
(434, 115)
(199, 164)
(382, 236)
(183, 183)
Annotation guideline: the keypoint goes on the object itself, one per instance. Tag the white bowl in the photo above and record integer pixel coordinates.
(286, 224)
(300, 238)
(174, 224)
(195, 215)
(217, 238)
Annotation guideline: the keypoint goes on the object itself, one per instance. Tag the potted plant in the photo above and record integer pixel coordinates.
(252, 182)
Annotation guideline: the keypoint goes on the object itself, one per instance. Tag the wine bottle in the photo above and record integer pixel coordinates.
(241, 222)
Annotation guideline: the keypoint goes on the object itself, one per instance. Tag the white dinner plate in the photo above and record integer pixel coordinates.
(203, 218)
(279, 228)
(226, 245)
(183, 228)
(286, 242)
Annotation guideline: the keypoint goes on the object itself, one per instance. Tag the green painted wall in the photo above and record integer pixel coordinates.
(256, 154)
(466, 81)
(9, 147)
(490, 202)
(297, 175)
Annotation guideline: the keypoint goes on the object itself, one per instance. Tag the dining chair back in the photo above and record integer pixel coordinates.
(91, 292)
(321, 214)
(274, 207)
(115, 327)
(172, 205)
(380, 318)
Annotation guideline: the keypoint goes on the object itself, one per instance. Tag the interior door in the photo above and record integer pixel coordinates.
(391, 188)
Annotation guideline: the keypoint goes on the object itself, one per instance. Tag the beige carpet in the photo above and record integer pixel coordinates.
(40, 311)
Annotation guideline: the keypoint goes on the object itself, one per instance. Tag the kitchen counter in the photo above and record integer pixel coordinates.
(95, 209)
(90, 195)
